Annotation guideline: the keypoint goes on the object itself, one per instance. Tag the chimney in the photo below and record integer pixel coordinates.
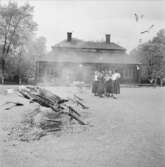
(108, 38)
(69, 36)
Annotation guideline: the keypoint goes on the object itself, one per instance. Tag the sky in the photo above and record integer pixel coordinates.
(92, 19)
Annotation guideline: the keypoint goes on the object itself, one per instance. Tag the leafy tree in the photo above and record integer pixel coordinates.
(36, 48)
(152, 56)
(16, 26)
(22, 63)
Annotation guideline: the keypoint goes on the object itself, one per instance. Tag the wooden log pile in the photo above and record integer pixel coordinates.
(41, 121)
(57, 104)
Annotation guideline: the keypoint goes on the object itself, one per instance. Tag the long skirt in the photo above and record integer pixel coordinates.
(94, 87)
(108, 87)
(116, 87)
(100, 89)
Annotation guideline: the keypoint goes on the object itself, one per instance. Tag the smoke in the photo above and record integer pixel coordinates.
(65, 65)
(65, 68)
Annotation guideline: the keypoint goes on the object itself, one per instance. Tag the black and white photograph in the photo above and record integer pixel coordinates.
(82, 83)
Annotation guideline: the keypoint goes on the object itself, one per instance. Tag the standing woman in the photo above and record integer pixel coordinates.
(100, 89)
(108, 84)
(95, 83)
(116, 82)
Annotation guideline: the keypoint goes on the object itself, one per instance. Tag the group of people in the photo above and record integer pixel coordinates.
(106, 83)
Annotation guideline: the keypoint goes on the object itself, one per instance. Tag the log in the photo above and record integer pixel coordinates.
(78, 103)
(77, 119)
(71, 109)
(81, 104)
(50, 95)
(24, 94)
(79, 98)
(74, 117)
(15, 103)
(47, 99)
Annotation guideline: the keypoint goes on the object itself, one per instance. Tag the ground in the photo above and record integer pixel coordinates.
(127, 132)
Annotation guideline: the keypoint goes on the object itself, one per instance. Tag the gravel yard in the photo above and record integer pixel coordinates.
(127, 132)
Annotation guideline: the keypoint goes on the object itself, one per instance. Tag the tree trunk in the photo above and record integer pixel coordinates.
(20, 80)
(3, 79)
(3, 71)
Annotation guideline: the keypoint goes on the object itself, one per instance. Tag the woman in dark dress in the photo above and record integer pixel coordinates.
(100, 88)
(108, 84)
(116, 83)
(116, 86)
(95, 84)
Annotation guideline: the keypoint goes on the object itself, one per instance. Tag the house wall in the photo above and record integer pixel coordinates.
(66, 72)
(65, 65)
(87, 50)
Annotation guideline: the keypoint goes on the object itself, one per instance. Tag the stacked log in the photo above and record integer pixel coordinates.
(39, 122)
(48, 99)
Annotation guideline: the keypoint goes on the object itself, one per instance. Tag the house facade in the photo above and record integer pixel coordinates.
(76, 60)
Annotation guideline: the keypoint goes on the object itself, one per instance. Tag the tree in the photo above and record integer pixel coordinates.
(152, 56)
(16, 26)
(34, 50)
(160, 38)
(22, 63)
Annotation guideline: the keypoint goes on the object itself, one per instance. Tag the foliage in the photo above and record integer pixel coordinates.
(23, 62)
(33, 50)
(152, 56)
(16, 27)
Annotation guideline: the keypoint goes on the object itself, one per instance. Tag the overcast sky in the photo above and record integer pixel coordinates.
(92, 19)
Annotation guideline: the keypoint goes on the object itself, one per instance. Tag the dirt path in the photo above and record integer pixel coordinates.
(127, 132)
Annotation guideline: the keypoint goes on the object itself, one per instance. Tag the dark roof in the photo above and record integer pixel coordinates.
(77, 43)
(84, 57)
(62, 52)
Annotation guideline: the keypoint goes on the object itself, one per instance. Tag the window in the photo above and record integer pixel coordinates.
(127, 73)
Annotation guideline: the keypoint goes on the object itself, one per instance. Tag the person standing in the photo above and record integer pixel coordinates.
(95, 83)
(108, 84)
(100, 89)
(116, 82)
